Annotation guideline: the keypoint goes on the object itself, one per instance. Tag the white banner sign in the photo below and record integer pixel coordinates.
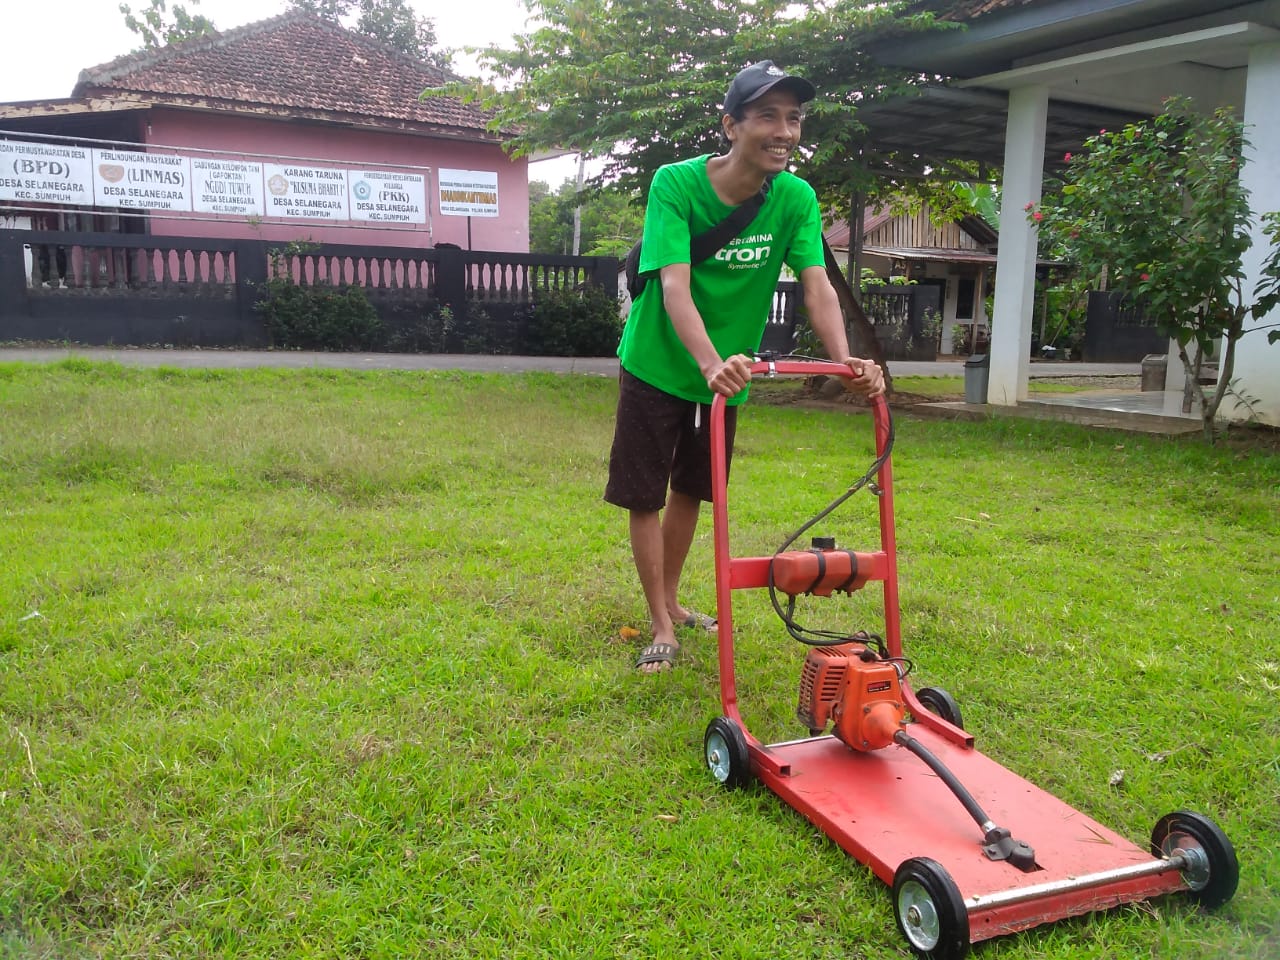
(306, 193)
(469, 193)
(227, 186)
(383, 197)
(41, 173)
(141, 181)
(45, 173)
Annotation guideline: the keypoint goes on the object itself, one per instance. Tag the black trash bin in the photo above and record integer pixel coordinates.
(1154, 366)
(977, 373)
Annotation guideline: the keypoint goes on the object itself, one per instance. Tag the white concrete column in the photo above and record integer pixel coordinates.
(1257, 367)
(1016, 260)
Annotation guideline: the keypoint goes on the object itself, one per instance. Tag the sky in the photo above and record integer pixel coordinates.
(45, 50)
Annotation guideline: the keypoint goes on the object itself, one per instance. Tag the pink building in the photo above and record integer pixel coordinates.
(295, 89)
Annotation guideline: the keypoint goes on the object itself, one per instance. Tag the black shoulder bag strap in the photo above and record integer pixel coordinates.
(706, 244)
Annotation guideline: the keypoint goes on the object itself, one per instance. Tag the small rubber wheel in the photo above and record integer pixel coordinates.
(1212, 871)
(941, 704)
(725, 748)
(930, 911)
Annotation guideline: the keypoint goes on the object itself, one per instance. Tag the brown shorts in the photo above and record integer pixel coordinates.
(660, 439)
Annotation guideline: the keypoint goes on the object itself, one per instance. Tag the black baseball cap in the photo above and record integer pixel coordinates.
(758, 79)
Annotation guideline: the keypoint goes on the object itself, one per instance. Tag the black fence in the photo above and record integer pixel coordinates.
(123, 289)
(780, 330)
(1117, 330)
(907, 320)
(100, 288)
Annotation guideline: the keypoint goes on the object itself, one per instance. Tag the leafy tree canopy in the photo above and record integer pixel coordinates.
(391, 21)
(638, 83)
(157, 27)
(611, 221)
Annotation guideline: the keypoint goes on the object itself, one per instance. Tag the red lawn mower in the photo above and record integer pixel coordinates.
(971, 850)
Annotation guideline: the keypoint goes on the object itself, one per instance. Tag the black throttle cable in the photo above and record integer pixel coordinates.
(827, 638)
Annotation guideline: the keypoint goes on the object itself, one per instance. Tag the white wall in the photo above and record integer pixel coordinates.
(1257, 365)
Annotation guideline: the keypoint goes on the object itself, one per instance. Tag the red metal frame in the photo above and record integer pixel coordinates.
(887, 806)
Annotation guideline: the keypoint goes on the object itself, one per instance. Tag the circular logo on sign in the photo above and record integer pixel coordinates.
(362, 190)
(278, 185)
(111, 172)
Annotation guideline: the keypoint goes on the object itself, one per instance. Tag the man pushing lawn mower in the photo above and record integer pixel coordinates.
(717, 232)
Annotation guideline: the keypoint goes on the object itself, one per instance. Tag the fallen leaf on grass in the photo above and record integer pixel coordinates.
(1117, 778)
(628, 633)
(668, 818)
(1163, 755)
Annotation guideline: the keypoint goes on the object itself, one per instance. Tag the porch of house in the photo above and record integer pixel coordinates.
(1121, 405)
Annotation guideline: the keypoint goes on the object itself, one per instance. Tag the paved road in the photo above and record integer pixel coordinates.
(600, 366)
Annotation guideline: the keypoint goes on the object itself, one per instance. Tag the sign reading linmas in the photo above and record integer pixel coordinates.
(306, 193)
(45, 173)
(141, 181)
(469, 193)
(384, 197)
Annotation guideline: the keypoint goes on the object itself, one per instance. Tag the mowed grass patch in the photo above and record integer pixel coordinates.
(328, 664)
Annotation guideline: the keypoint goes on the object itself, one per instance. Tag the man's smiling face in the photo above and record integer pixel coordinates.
(768, 132)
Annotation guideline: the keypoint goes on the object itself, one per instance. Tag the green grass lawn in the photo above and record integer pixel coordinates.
(328, 664)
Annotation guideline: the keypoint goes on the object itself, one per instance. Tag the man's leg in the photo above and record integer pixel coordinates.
(648, 549)
(679, 524)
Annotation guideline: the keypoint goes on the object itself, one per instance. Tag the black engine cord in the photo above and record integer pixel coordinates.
(828, 638)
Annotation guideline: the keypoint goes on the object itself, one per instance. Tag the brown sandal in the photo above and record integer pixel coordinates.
(658, 653)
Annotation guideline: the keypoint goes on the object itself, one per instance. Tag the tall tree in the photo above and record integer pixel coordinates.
(611, 221)
(158, 28)
(1160, 207)
(393, 22)
(638, 83)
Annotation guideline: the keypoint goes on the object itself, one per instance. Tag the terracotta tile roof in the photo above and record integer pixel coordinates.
(293, 64)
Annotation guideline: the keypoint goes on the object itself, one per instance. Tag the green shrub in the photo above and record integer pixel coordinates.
(320, 317)
(573, 323)
(425, 328)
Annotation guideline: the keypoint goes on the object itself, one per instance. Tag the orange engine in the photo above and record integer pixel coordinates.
(849, 686)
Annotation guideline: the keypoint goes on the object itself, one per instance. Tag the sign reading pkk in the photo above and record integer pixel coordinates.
(45, 173)
(306, 193)
(228, 186)
(384, 197)
(469, 193)
(141, 181)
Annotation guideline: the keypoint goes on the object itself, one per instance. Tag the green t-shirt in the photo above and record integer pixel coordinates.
(732, 290)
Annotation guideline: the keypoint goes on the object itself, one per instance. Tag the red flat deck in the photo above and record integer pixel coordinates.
(887, 806)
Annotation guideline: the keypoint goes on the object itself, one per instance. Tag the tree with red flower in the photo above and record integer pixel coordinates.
(1157, 210)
